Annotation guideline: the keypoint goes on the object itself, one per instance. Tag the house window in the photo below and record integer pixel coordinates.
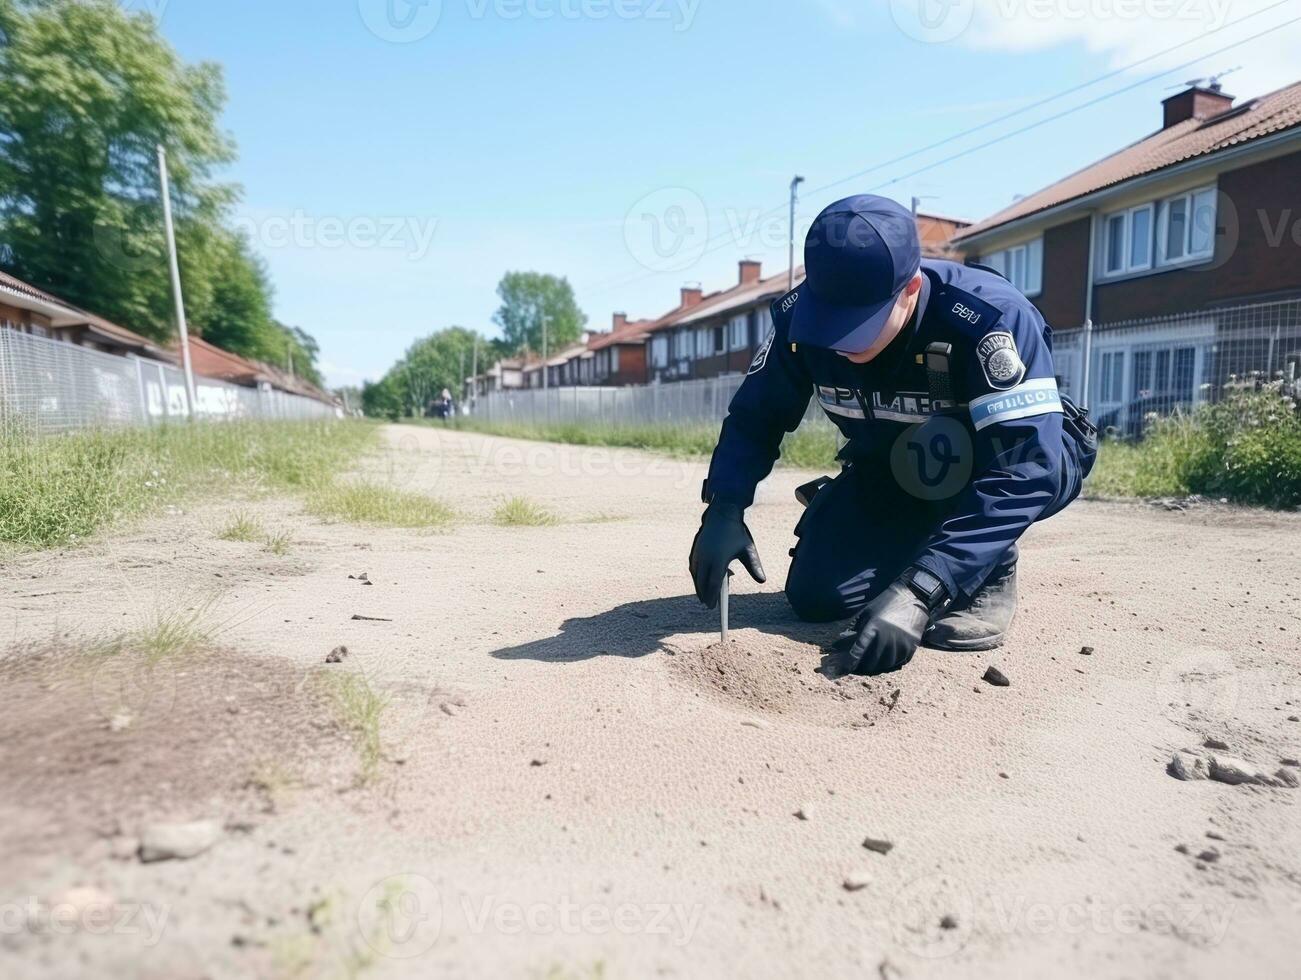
(1113, 376)
(1022, 265)
(738, 333)
(682, 344)
(1127, 241)
(614, 360)
(660, 352)
(1186, 227)
(705, 342)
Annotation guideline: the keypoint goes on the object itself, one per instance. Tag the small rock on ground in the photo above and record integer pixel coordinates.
(856, 882)
(337, 655)
(996, 677)
(165, 841)
(1187, 766)
(878, 846)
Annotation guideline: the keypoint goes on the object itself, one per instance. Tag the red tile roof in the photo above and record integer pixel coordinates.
(64, 314)
(1187, 140)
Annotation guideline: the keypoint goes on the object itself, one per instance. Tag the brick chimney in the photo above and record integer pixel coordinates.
(620, 321)
(691, 296)
(1195, 103)
(751, 271)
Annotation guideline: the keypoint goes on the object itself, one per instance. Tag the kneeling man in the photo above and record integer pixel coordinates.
(940, 377)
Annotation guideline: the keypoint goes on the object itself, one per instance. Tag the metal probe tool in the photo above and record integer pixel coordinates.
(722, 603)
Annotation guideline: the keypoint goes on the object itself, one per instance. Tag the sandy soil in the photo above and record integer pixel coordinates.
(578, 780)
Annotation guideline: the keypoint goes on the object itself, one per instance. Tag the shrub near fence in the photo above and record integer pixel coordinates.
(47, 387)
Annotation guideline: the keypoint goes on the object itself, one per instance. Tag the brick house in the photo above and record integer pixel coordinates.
(1171, 265)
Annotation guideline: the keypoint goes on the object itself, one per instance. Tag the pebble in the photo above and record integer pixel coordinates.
(996, 677)
(856, 882)
(1236, 772)
(164, 841)
(1086, 651)
(948, 922)
(1187, 766)
(337, 655)
(878, 846)
(805, 812)
(1215, 743)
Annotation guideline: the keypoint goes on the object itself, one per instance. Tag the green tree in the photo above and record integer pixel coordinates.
(87, 92)
(383, 399)
(529, 297)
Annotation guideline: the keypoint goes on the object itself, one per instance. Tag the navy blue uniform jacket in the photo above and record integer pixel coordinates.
(985, 463)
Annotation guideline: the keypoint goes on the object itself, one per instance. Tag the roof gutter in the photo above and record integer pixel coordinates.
(1142, 180)
(54, 311)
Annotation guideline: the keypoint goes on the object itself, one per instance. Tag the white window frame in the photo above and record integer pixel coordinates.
(1189, 199)
(738, 332)
(1031, 256)
(1127, 266)
(659, 352)
(704, 342)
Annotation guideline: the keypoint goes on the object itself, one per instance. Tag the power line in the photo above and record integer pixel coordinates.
(725, 237)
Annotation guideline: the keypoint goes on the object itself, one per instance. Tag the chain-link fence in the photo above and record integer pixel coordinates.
(48, 386)
(680, 403)
(1137, 369)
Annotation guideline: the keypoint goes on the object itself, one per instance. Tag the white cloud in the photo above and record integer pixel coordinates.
(1125, 31)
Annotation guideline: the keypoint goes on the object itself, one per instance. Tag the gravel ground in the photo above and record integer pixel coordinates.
(576, 779)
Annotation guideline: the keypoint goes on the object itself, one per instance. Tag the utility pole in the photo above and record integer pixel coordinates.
(181, 327)
(790, 275)
(474, 373)
(545, 369)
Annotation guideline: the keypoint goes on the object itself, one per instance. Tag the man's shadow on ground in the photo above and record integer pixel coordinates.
(636, 629)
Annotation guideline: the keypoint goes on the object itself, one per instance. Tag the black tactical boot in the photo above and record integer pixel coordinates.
(981, 622)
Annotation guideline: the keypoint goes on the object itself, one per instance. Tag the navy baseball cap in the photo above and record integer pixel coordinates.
(859, 256)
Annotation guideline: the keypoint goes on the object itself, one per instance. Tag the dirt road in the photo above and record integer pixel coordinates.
(575, 780)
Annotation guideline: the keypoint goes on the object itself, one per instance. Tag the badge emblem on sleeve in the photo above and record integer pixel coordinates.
(761, 355)
(1000, 360)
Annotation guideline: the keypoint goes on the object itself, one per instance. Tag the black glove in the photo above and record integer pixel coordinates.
(886, 634)
(722, 539)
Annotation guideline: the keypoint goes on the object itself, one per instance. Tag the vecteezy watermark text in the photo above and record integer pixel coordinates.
(408, 21)
(93, 915)
(298, 229)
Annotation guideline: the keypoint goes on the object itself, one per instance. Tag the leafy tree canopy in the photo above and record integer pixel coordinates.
(529, 297)
(87, 93)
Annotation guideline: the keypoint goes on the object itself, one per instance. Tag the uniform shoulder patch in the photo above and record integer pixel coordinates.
(967, 311)
(761, 355)
(1000, 360)
(782, 305)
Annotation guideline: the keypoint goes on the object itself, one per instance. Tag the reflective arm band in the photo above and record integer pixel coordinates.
(1035, 397)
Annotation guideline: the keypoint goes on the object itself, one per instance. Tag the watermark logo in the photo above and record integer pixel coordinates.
(667, 230)
(932, 460)
(154, 8)
(401, 917)
(1200, 685)
(401, 21)
(932, 21)
(932, 916)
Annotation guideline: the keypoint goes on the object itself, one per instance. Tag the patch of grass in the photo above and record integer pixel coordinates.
(169, 633)
(522, 512)
(242, 527)
(278, 544)
(359, 708)
(1246, 448)
(58, 490)
(367, 502)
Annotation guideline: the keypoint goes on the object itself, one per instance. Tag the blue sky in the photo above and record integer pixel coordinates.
(397, 159)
